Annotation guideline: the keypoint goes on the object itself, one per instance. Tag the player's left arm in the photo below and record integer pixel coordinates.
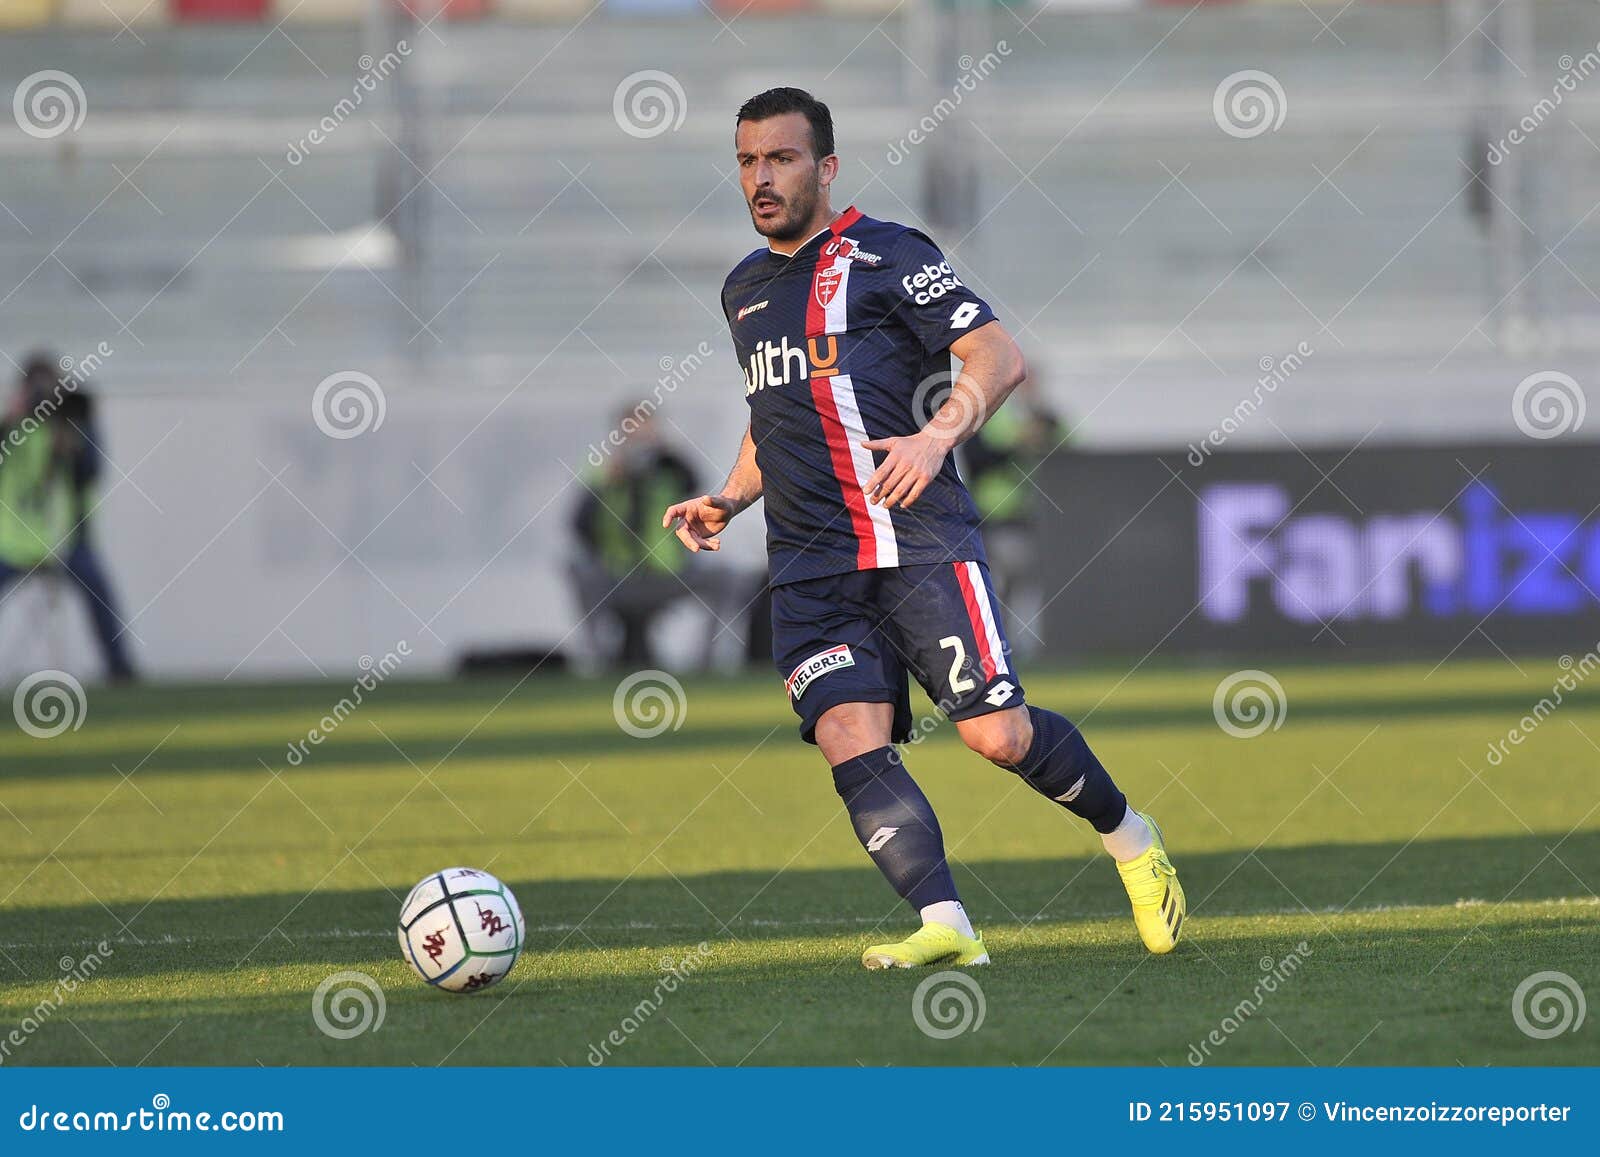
(991, 368)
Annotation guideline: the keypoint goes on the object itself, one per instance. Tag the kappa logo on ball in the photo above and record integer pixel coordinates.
(460, 929)
(492, 922)
(818, 665)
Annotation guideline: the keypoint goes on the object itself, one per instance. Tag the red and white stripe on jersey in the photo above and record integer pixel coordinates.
(835, 398)
(980, 612)
(875, 542)
(830, 281)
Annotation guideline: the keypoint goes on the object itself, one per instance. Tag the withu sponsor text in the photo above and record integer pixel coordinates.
(778, 364)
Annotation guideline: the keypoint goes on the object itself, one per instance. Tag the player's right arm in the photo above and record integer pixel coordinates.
(700, 521)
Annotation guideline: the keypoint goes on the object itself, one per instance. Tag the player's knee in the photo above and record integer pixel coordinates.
(853, 729)
(1003, 738)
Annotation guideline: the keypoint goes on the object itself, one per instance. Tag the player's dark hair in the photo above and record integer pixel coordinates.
(777, 101)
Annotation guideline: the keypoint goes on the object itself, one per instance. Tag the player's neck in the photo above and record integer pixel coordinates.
(820, 224)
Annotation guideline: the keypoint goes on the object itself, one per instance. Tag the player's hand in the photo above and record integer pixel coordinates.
(909, 464)
(700, 521)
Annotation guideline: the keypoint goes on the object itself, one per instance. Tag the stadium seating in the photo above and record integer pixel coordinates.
(26, 13)
(142, 13)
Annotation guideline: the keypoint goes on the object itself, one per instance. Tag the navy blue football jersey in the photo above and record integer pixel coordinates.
(837, 343)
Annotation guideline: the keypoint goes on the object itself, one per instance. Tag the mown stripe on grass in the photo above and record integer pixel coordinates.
(426, 742)
(387, 934)
(256, 982)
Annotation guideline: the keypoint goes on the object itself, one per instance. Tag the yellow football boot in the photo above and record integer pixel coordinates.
(930, 944)
(1157, 897)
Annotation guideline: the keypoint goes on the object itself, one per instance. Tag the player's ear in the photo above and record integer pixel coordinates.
(827, 169)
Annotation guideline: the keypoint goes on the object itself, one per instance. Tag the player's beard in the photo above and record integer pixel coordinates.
(794, 217)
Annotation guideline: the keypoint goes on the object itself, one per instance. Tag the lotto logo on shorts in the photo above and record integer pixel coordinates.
(819, 664)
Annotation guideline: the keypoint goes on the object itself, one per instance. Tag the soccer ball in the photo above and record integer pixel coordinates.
(461, 929)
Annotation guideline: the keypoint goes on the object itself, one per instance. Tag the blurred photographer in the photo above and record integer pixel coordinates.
(49, 461)
(628, 569)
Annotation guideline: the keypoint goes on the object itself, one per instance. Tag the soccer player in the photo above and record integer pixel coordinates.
(877, 567)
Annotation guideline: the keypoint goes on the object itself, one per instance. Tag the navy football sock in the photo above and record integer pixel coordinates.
(896, 824)
(1060, 766)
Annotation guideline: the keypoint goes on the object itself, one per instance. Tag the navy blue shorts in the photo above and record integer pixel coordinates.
(857, 637)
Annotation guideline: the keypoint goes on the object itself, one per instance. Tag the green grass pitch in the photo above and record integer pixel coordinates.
(1424, 882)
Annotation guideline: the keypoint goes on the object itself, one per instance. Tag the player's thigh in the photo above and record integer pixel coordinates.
(948, 629)
(827, 645)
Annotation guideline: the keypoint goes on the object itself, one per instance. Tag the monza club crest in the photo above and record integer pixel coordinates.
(827, 284)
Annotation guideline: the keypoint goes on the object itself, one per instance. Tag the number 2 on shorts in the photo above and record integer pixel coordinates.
(959, 683)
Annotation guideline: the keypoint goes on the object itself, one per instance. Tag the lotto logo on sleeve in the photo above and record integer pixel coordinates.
(931, 283)
(818, 665)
